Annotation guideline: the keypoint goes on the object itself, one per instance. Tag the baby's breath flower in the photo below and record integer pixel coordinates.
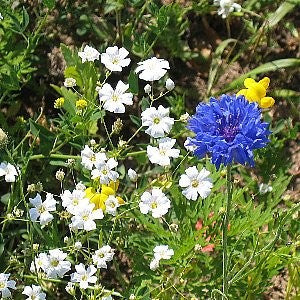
(5, 285)
(70, 82)
(9, 171)
(60, 175)
(59, 102)
(89, 54)
(81, 104)
(170, 85)
(115, 59)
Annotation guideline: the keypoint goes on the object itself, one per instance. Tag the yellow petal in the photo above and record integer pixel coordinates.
(107, 190)
(265, 82)
(120, 200)
(266, 102)
(242, 92)
(114, 185)
(248, 82)
(89, 192)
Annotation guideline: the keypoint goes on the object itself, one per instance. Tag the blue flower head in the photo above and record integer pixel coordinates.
(229, 129)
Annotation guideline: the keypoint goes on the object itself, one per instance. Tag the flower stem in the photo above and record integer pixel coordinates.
(225, 230)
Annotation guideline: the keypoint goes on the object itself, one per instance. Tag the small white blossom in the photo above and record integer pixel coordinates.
(40, 263)
(115, 59)
(84, 217)
(8, 171)
(154, 264)
(133, 176)
(6, 284)
(226, 7)
(188, 146)
(34, 292)
(84, 276)
(89, 54)
(161, 155)
(265, 188)
(111, 205)
(102, 256)
(70, 82)
(114, 99)
(170, 85)
(107, 298)
(163, 252)
(195, 182)
(89, 158)
(104, 171)
(80, 186)
(185, 117)
(77, 245)
(152, 69)
(147, 88)
(71, 200)
(57, 265)
(60, 175)
(42, 209)
(156, 202)
(157, 120)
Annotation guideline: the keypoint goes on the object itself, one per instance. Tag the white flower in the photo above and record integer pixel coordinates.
(71, 200)
(152, 69)
(170, 84)
(9, 171)
(147, 88)
(6, 284)
(195, 182)
(70, 82)
(115, 59)
(226, 7)
(102, 256)
(111, 205)
(133, 176)
(107, 298)
(158, 121)
(42, 209)
(57, 265)
(156, 202)
(188, 146)
(163, 252)
(40, 263)
(89, 158)
(114, 99)
(105, 171)
(154, 264)
(161, 155)
(34, 292)
(70, 288)
(265, 188)
(80, 186)
(84, 217)
(89, 54)
(83, 276)
(77, 245)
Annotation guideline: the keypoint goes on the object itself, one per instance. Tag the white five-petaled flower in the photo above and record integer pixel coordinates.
(102, 256)
(226, 7)
(89, 54)
(84, 276)
(34, 292)
(115, 59)
(104, 171)
(71, 200)
(84, 217)
(89, 158)
(158, 121)
(161, 155)
(57, 265)
(42, 209)
(70, 82)
(111, 205)
(152, 69)
(156, 202)
(40, 263)
(160, 252)
(8, 171)
(195, 182)
(6, 284)
(114, 99)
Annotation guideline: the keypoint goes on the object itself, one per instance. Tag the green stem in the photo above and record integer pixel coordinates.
(59, 156)
(225, 230)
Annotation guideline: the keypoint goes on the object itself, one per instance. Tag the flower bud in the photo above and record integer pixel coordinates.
(59, 102)
(117, 126)
(170, 84)
(133, 176)
(70, 289)
(70, 82)
(174, 227)
(78, 245)
(147, 88)
(60, 175)
(184, 118)
(197, 248)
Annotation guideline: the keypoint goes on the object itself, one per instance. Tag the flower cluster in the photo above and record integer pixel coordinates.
(160, 252)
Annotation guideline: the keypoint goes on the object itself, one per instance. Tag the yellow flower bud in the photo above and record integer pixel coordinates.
(59, 102)
(81, 104)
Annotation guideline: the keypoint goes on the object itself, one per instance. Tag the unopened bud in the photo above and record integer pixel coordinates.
(184, 118)
(60, 175)
(174, 227)
(147, 88)
(117, 126)
(170, 84)
(133, 176)
(198, 248)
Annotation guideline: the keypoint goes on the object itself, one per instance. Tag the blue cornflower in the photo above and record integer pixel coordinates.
(229, 129)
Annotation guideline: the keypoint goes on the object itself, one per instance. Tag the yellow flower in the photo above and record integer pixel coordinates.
(81, 104)
(59, 102)
(99, 198)
(256, 91)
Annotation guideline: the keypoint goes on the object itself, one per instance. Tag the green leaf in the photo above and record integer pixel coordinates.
(49, 3)
(25, 19)
(265, 68)
(136, 120)
(133, 83)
